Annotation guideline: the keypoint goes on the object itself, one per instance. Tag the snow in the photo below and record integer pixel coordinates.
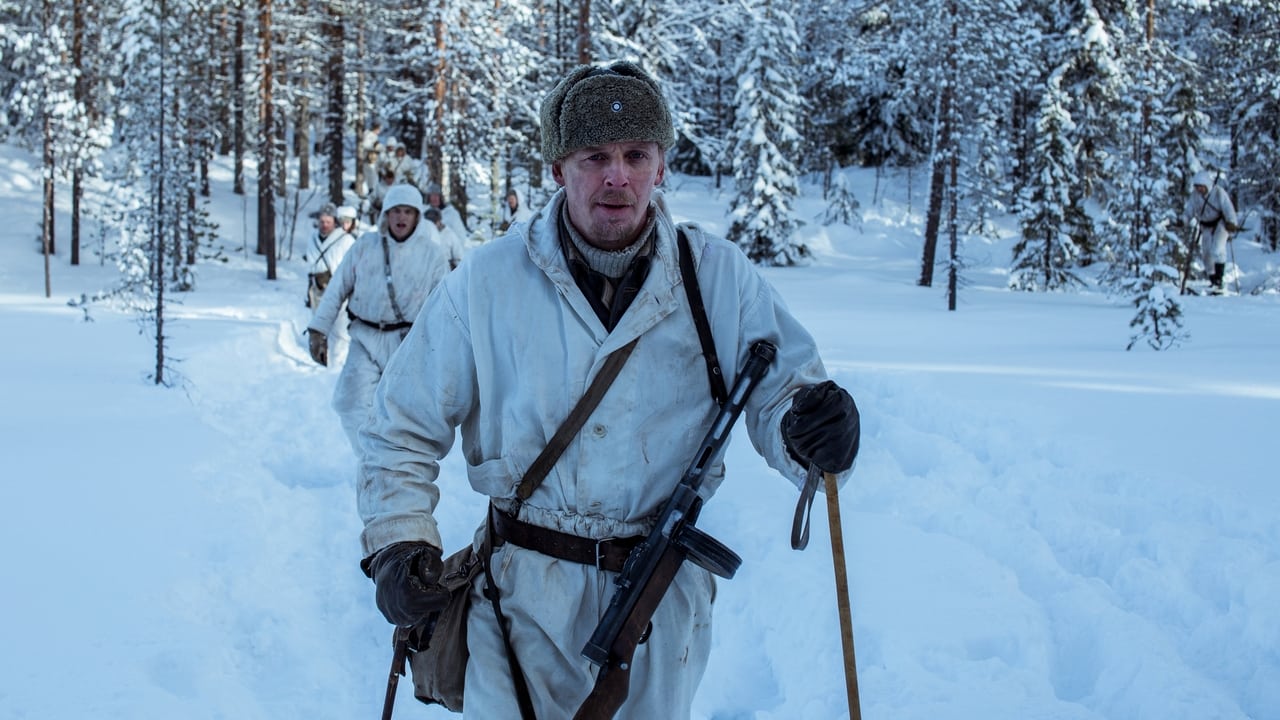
(1040, 525)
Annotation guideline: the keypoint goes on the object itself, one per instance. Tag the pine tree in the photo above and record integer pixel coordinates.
(1043, 257)
(765, 138)
(1146, 211)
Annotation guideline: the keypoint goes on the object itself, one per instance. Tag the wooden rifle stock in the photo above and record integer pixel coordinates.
(613, 682)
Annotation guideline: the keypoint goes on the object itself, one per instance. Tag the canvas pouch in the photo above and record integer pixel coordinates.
(440, 668)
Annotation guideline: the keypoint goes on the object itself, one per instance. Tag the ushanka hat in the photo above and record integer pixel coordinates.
(596, 105)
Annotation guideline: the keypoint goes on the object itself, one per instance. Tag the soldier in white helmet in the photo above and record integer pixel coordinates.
(1210, 208)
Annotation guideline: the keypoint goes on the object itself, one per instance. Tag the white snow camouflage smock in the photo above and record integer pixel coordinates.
(504, 350)
(417, 266)
(1213, 211)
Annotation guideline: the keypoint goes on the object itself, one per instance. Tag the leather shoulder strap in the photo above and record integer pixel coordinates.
(542, 465)
(718, 389)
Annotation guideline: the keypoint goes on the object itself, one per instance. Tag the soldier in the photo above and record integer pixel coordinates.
(385, 278)
(1215, 216)
(505, 348)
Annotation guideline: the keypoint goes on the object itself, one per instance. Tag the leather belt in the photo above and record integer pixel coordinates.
(606, 554)
(380, 325)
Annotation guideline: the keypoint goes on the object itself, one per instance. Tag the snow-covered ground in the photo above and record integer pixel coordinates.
(1041, 524)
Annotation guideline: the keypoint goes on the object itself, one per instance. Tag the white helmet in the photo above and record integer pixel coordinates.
(401, 194)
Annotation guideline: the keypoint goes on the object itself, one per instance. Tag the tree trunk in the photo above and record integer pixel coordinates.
(77, 61)
(583, 33)
(158, 221)
(46, 230)
(362, 184)
(937, 183)
(953, 263)
(953, 160)
(301, 136)
(47, 158)
(237, 100)
(224, 28)
(334, 119)
(266, 151)
(435, 145)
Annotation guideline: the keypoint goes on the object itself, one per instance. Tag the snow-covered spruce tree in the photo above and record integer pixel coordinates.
(890, 111)
(1043, 257)
(765, 139)
(996, 63)
(1145, 212)
(1245, 62)
(1185, 125)
(154, 210)
(1087, 44)
(41, 103)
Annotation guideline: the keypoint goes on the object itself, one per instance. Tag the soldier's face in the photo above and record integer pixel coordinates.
(608, 188)
(327, 224)
(402, 220)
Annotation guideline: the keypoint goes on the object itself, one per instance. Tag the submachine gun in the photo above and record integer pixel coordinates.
(653, 564)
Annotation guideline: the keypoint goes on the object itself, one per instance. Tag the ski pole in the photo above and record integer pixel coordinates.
(842, 593)
(1232, 248)
(398, 657)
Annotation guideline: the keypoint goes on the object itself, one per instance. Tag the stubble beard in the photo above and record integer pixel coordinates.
(615, 234)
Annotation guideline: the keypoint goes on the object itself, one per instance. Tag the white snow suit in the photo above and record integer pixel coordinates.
(325, 255)
(520, 214)
(1213, 211)
(504, 349)
(417, 265)
(453, 220)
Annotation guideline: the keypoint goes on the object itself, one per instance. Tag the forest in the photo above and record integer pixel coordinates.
(1083, 120)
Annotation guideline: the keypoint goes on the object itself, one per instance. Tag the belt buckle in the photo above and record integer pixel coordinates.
(600, 551)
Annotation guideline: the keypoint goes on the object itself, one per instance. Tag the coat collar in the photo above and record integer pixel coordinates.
(656, 298)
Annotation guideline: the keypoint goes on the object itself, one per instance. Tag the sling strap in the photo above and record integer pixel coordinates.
(391, 289)
(718, 389)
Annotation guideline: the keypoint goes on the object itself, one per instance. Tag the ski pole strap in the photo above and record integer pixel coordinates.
(804, 509)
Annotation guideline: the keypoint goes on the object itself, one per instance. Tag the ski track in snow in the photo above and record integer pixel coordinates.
(1092, 556)
(1002, 563)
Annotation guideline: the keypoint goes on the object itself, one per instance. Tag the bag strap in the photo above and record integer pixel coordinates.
(491, 591)
(533, 477)
(718, 389)
(542, 465)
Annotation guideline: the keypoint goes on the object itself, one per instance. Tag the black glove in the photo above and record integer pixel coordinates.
(822, 427)
(318, 346)
(407, 577)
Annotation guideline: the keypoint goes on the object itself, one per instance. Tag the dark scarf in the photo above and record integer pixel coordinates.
(609, 280)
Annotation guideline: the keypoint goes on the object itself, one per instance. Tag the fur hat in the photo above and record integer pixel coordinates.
(328, 209)
(346, 212)
(599, 105)
(1204, 177)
